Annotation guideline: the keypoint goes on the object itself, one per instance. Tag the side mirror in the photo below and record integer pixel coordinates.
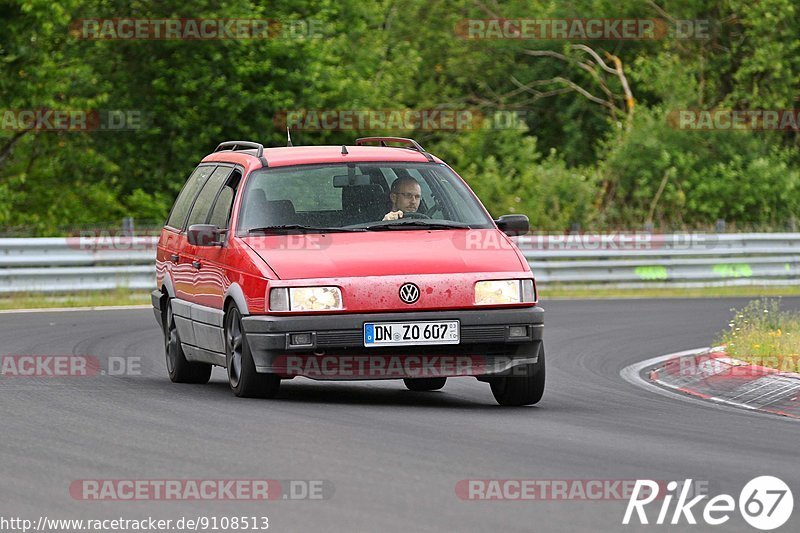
(205, 235)
(513, 225)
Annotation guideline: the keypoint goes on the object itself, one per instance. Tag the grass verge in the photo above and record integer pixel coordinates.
(565, 292)
(762, 334)
(79, 299)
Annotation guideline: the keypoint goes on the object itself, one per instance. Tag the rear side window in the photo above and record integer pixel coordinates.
(187, 195)
(221, 212)
(202, 206)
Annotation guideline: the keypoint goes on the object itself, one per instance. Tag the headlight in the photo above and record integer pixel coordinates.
(305, 299)
(505, 291)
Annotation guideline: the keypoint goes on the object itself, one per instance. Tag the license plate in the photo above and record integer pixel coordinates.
(411, 333)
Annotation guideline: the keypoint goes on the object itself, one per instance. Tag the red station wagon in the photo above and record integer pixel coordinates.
(344, 263)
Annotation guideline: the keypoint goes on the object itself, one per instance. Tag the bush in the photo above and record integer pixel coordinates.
(732, 175)
(510, 175)
(762, 334)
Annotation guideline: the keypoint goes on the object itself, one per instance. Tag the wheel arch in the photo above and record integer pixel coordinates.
(235, 295)
(167, 293)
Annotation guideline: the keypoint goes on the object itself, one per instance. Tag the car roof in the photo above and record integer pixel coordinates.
(311, 155)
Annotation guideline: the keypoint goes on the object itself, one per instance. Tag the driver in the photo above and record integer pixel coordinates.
(405, 195)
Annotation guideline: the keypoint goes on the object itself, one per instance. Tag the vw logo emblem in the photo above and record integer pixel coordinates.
(409, 293)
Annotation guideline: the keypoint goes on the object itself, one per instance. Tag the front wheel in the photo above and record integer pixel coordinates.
(424, 384)
(521, 390)
(245, 382)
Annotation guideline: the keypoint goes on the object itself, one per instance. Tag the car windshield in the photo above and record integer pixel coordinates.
(358, 197)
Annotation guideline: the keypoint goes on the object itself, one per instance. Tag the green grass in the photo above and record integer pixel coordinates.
(81, 299)
(762, 334)
(564, 292)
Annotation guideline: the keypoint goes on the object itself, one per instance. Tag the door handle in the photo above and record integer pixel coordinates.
(175, 258)
(196, 264)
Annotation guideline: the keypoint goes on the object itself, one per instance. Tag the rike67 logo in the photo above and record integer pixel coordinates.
(765, 502)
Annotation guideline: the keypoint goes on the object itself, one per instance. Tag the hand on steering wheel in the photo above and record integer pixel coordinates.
(415, 214)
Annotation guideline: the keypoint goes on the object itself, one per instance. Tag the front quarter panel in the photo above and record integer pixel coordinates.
(240, 273)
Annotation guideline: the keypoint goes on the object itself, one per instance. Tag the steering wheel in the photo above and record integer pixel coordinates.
(414, 214)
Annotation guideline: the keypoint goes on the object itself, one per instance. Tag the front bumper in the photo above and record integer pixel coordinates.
(337, 350)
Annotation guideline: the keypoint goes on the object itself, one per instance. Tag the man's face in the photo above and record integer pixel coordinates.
(407, 197)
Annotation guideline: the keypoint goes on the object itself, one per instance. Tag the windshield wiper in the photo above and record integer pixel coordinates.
(416, 224)
(300, 228)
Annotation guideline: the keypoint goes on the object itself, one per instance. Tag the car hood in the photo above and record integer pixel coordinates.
(386, 253)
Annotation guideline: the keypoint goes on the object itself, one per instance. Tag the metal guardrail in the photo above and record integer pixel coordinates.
(76, 264)
(616, 260)
(654, 260)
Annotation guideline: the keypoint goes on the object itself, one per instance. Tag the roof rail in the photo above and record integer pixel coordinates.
(411, 144)
(234, 146)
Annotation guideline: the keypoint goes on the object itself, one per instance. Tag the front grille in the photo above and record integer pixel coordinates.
(340, 338)
(483, 334)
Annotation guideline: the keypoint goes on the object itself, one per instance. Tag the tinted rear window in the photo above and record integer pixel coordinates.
(187, 195)
(202, 206)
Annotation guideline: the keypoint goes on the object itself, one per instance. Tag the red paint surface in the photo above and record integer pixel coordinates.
(368, 267)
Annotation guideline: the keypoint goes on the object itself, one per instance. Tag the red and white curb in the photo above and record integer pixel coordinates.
(709, 376)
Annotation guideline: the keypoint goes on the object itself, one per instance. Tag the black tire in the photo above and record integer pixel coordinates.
(424, 384)
(181, 370)
(521, 390)
(245, 382)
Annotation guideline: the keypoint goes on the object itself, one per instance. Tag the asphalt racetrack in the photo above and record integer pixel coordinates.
(390, 459)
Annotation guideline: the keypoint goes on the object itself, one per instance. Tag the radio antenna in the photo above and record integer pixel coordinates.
(288, 137)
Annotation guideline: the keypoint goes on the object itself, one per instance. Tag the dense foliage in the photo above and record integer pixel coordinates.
(761, 333)
(601, 162)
